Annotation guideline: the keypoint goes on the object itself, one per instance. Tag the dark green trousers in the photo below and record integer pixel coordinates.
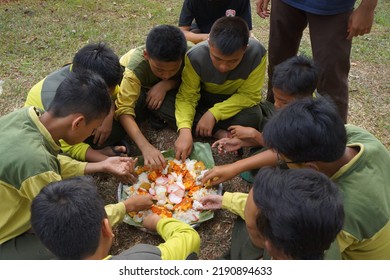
(25, 247)
(241, 247)
(255, 116)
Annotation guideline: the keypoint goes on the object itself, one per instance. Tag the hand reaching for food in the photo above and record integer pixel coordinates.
(211, 202)
(138, 202)
(226, 145)
(150, 221)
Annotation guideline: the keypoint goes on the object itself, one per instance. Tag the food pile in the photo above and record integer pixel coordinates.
(175, 190)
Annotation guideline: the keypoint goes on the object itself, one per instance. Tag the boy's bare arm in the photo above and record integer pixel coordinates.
(222, 173)
(183, 144)
(193, 37)
(120, 167)
(152, 156)
(157, 93)
(104, 131)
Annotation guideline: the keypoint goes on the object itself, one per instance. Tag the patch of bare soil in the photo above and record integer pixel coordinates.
(215, 234)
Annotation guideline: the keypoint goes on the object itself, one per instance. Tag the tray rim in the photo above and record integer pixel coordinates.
(119, 198)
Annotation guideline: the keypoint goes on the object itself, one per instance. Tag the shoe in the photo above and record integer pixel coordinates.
(157, 123)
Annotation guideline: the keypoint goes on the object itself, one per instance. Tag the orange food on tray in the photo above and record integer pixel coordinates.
(175, 190)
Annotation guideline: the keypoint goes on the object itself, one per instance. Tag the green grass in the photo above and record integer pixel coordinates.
(37, 37)
(40, 36)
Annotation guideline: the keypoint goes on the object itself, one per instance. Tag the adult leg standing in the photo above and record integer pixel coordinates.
(286, 28)
(331, 51)
(331, 36)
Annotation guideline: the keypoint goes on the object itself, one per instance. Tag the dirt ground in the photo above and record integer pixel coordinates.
(368, 81)
(215, 233)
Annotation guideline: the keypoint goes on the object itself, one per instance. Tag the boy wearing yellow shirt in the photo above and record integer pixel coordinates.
(100, 59)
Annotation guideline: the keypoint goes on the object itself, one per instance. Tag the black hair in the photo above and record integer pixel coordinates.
(297, 76)
(229, 34)
(99, 58)
(307, 130)
(166, 43)
(300, 210)
(85, 93)
(67, 217)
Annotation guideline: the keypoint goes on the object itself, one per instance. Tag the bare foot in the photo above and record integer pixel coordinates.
(243, 132)
(221, 133)
(113, 151)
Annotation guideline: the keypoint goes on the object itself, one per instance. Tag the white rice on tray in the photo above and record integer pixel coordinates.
(172, 183)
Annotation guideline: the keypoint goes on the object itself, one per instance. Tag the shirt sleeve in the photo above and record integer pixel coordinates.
(33, 185)
(180, 239)
(235, 203)
(34, 96)
(114, 95)
(246, 13)
(345, 240)
(186, 16)
(115, 213)
(247, 95)
(187, 97)
(128, 95)
(71, 167)
(77, 151)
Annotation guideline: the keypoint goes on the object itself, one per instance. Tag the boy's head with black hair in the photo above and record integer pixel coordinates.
(99, 58)
(294, 213)
(305, 131)
(68, 217)
(83, 97)
(228, 40)
(295, 78)
(166, 46)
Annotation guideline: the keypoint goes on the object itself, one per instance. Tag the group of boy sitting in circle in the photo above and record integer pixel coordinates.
(320, 187)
